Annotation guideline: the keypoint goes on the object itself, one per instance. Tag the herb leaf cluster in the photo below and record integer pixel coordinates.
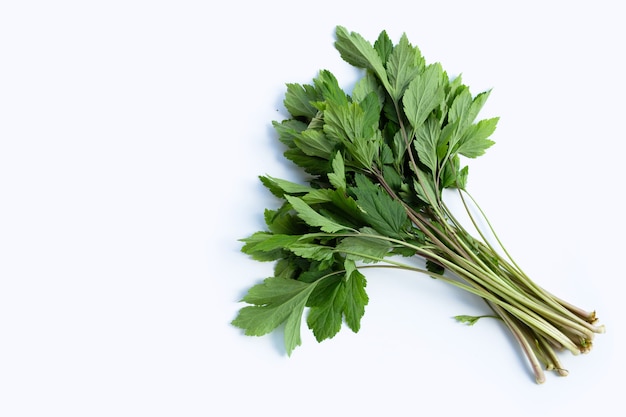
(378, 160)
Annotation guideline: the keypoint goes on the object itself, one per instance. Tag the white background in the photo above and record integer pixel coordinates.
(131, 137)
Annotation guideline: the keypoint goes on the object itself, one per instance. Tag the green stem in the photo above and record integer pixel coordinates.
(508, 300)
(524, 343)
(495, 292)
(578, 315)
(489, 225)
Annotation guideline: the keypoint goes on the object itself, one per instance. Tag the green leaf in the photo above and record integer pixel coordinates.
(288, 130)
(290, 133)
(352, 121)
(383, 213)
(346, 205)
(459, 112)
(384, 46)
(426, 140)
(282, 222)
(463, 112)
(314, 142)
(338, 177)
(474, 142)
(318, 195)
(276, 301)
(455, 86)
(434, 268)
(471, 320)
(339, 121)
(336, 300)
(448, 135)
(367, 85)
(298, 100)
(356, 299)
(404, 64)
(392, 177)
(312, 251)
(385, 153)
(312, 217)
(267, 242)
(286, 268)
(398, 146)
(365, 248)
(477, 104)
(423, 95)
(326, 312)
(311, 164)
(355, 50)
(363, 151)
(251, 242)
(448, 175)
(461, 178)
(280, 187)
(356, 125)
(425, 190)
(328, 86)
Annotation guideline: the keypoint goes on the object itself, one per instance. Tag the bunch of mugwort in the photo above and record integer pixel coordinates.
(377, 162)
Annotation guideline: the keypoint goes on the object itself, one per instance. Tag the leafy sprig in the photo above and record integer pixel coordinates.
(378, 161)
